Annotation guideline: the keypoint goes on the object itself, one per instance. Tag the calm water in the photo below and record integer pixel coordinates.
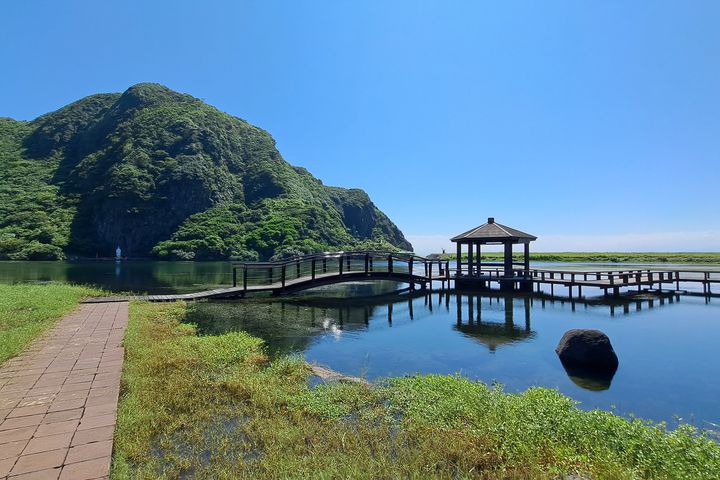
(668, 348)
(125, 276)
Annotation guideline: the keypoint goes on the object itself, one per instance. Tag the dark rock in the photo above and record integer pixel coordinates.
(589, 350)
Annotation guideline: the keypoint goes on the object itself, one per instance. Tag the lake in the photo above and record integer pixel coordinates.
(667, 346)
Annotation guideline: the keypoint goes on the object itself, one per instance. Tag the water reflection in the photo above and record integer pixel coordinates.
(496, 338)
(595, 380)
(124, 276)
(493, 334)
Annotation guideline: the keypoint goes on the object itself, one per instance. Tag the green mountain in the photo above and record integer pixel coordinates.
(163, 174)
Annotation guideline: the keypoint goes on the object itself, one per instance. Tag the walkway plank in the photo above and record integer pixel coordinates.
(58, 399)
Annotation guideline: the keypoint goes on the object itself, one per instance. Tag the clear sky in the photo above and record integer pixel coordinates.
(593, 125)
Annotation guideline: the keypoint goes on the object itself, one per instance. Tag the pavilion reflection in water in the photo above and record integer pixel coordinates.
(486, 329)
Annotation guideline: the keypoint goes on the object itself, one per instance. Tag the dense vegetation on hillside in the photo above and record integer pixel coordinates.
(161, 173)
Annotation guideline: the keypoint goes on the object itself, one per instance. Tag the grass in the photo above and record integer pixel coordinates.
(217, 407)
(26, 311)
(603, 257)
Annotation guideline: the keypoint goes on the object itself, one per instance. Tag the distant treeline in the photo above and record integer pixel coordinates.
(607, 257)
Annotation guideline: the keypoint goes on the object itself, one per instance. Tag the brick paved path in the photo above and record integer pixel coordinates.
(58, 399)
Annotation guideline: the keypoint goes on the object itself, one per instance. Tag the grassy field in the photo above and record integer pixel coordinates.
(26, 311)
(218, 407)
(608, 257)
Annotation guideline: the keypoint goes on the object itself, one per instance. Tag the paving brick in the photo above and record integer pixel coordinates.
(67, 405)
(24, 411)
(19, 422)
(107, 408)
(86, 470)
(36, 400)
(15, 434)
(89, 451)
(80, 378)
(47, 474)
(9, 403)
(57, 427)
(93, 422)
(93, 435)
(46, 444)
(6, 465)
(12, 449)
(39, 461)
(63, 415)
(74, 387)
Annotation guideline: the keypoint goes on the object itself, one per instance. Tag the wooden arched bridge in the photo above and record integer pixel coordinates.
(316, 270)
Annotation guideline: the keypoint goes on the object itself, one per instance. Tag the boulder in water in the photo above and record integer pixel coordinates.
(588, 349)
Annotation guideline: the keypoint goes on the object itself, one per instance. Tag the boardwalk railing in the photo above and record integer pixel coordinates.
(604, 279)
(322, 267)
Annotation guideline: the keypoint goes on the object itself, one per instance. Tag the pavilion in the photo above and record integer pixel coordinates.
(471, 274)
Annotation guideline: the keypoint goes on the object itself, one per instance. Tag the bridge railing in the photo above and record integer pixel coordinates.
(310, 267)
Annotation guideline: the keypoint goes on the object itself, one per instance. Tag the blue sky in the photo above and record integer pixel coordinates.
(593, 125)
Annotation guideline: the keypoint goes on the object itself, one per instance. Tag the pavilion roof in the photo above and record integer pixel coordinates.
(492, 231)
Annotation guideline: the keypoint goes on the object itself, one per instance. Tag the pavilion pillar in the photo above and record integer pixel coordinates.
(479, 261)
(527, 259)
(508, 259)
(471, 264)
(459, 258)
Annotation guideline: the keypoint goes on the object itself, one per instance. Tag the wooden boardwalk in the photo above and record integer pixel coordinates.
(609, 281)
(297, 274)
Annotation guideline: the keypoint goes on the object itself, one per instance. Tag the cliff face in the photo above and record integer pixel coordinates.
(161, 173)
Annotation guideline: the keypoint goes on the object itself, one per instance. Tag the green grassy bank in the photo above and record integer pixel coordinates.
(602, 257)
(26, 311)
(218, 407)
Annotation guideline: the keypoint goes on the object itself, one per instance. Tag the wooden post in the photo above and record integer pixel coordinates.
(478, 261)
(348, 263)
(270, 275)
(390, 264)
(371, 264)
(410, 266)
(527, 258)
(471, 264)
(282, 281)
(324, 265)
(367, 262)
(245, 277)
(340, 265)
(707, 277)
(508, 259)
(459, 259)
(312, 274)
(234, 276)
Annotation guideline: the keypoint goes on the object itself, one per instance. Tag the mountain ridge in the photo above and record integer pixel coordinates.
(161, 173)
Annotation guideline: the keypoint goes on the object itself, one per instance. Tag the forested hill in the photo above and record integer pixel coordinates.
(163, 174)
